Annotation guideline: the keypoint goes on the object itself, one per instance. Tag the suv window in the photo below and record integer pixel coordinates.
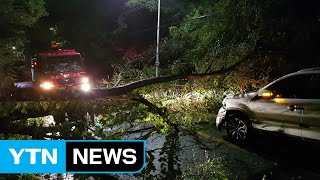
(314, 87)
(303, 86)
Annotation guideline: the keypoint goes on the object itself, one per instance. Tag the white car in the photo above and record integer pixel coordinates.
(289, 105)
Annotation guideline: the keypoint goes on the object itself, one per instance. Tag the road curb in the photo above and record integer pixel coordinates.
(220, 140)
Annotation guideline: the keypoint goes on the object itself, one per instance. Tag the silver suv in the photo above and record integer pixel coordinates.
(289, 105)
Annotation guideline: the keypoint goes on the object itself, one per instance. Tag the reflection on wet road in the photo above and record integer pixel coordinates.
(172, 153)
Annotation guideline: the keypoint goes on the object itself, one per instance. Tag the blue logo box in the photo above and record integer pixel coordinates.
(56, 156)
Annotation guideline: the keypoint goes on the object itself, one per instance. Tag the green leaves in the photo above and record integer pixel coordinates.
(23, 110)
(211, 169)
(158, 121)
(16, 17)
(22, 13)
(186, 105)
(73, 119)
(213, 30)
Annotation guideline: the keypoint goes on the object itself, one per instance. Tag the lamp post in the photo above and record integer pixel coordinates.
(158, 41)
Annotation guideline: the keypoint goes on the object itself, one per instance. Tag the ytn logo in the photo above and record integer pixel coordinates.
(32, 152)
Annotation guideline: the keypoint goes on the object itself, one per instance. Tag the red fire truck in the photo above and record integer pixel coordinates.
(57, 69)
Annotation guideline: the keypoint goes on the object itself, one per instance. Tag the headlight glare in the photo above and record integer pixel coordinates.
(85, 87)
(85, 80)
(46, 85)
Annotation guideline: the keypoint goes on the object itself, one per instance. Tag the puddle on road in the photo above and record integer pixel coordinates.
(168, 155)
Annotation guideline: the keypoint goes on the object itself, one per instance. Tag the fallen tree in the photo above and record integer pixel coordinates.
(22, 104)
(31, 94)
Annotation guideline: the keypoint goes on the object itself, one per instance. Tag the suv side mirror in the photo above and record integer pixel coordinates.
(265, 94)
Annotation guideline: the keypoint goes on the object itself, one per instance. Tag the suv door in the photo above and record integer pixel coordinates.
(284, 112)
(311, 113)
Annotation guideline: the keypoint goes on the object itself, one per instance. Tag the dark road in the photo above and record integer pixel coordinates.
(295, 158)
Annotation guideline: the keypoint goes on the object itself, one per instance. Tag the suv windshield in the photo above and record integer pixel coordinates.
(59, 64)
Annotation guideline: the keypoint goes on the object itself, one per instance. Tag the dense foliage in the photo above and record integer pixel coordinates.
(104, 113)
(215, 34)
(17, 17)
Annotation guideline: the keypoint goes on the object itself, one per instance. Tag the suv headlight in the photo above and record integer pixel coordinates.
(224, 103)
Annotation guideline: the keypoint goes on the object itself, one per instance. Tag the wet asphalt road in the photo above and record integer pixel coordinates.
(295, 158)
(172, 153)
(265, 156)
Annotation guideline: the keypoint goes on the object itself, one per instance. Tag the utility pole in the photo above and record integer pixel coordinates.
(158, 42)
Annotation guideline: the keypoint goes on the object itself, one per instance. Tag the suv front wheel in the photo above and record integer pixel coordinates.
(237, 127)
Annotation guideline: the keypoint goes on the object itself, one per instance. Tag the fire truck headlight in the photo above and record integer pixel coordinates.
(46, 85)
(85, 80)
(86, 87)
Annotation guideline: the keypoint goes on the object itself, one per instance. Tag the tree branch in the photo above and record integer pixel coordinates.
(160, 111)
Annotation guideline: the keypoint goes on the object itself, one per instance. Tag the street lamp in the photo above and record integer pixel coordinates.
(158, 41)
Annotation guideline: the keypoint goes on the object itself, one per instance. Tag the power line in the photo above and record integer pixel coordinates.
(146, 64)
(137, 8)
(160, 51)
(170, 24)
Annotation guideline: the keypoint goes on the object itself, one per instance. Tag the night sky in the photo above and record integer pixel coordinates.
(93, 29)
(102, 16)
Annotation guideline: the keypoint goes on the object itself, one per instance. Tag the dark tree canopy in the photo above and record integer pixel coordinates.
(218, 32)
(17, 18)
